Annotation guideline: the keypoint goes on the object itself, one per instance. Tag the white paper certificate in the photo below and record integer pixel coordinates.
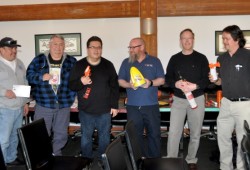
(21, 90)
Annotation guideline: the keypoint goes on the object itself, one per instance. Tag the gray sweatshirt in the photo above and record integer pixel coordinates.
(8, 78)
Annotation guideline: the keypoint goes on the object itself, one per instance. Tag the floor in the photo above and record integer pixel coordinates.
(208, 154)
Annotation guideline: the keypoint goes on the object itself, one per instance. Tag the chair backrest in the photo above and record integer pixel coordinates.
(245, 147)
(134, 148)
(114, 156)
(36, 144)
(247, 129)
(2, 162)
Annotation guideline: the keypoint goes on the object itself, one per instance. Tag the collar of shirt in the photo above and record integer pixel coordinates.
(11, 64)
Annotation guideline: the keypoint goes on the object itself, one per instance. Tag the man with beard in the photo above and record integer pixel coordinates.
(142, 104)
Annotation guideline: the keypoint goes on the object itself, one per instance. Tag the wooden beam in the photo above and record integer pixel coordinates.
(122, 9)
(112, 9)
(203, 7)
(148, 10)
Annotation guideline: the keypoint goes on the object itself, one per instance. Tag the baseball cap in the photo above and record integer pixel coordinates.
(8, 42)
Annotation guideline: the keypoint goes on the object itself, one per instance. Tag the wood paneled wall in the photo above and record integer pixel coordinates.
(203, 7)
(122, 9)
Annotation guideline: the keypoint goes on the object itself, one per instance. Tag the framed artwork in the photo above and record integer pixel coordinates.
(219, 47)
(72, 43)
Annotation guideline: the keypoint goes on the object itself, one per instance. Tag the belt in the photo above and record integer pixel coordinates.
(241, 99)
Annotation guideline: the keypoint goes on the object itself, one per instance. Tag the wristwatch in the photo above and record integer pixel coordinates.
(151, 83)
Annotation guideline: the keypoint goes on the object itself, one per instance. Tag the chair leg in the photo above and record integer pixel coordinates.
(210, 133)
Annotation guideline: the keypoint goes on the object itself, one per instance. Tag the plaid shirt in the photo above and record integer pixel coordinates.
(42, 91)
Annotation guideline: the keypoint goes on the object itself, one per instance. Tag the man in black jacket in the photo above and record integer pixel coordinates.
(95, 80)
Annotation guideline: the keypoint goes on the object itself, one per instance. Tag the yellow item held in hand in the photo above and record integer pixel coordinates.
(136, 77)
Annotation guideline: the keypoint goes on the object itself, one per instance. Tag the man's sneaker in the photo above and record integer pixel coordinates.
(16, 162)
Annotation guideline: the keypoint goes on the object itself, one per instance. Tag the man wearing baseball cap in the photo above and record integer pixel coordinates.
(9, 42)
(12, 108)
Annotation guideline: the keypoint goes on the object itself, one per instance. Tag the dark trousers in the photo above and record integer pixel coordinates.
(148, 118)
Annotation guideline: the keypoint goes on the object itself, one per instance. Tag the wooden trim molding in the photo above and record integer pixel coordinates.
(122, 9)
(203, 7)
(83, 10)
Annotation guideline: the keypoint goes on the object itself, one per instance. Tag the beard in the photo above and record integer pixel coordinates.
(133, 58)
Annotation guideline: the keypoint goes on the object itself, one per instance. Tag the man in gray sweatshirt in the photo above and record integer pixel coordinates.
(12, 108)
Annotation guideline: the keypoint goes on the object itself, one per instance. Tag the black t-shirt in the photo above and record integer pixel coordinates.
(235, 73)
(104, 90)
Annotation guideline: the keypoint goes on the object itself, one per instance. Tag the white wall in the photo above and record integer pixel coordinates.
(116, 34)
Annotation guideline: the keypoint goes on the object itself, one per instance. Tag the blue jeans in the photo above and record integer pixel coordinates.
(10, 121)
(89, 122)
(148, 118)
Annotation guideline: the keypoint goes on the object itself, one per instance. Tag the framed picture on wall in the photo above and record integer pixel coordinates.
(219, 47)
(72, 43)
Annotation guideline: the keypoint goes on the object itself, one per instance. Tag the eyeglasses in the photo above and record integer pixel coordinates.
(95, 48)
(133, 47)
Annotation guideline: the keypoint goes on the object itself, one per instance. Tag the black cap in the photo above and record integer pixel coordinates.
(8, 42)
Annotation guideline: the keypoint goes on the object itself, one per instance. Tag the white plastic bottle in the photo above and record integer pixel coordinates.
(213, 70)
(213, 73)
(191, 100)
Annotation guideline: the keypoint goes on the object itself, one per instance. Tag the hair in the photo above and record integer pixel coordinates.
(57, 36)
(187, 30)
(93, 38)
(236, 34)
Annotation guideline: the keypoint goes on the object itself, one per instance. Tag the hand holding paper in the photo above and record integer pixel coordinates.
(21, 90)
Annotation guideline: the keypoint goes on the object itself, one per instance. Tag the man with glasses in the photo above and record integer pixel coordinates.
(142, 104)
(48, 73)
(95, 80)
(12, 108)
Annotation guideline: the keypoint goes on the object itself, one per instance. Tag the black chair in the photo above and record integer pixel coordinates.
(119, 122)
(245, 147)
(138, 162)
(210, 119)
(2, 162)
(114, 157)
(37, 149)
(247, 129)
(165, 122)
